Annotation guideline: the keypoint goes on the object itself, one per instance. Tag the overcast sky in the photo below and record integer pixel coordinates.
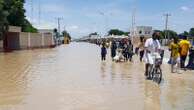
(81, 17)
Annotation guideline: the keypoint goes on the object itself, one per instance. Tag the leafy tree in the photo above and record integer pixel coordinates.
(27, 27)
(191, 32)
(116, 32)
(16, 14)
(126, 33)
(185, 33)
(16, 10)
(171, 34)
(3, 19)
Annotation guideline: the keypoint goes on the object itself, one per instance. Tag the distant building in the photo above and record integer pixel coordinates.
(94, 37)
(145, 31)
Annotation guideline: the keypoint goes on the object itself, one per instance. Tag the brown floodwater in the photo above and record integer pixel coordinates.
(72, 77)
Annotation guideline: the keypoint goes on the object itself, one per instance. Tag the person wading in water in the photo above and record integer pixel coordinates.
(103, 52)
(113, 49)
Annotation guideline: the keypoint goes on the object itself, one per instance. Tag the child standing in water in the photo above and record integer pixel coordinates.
(175, 55)
(103, 52)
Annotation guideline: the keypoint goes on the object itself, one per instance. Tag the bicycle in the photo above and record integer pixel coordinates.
(155, 71)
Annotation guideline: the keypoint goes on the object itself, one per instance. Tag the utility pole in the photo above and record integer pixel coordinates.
(59, 24)
(167, 15)
(133, 31)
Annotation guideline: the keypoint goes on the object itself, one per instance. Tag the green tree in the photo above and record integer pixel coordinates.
(116, 32)
(27, 27)
(16, 16)
(16, 10)
(126, 33)
(185, 33)
(191, 32)
(170, 34)
(3, 19)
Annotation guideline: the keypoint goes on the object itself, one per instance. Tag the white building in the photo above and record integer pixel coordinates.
(145, 31)
(94, 37)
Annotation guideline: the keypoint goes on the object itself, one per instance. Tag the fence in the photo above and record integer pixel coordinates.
(35, 40)
(22, 40)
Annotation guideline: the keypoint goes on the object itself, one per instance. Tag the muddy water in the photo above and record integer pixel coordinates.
(72, 77)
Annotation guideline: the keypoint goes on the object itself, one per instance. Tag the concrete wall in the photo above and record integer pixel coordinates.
(14, 29)
(23, 40)
(35, 40)
(48, 40)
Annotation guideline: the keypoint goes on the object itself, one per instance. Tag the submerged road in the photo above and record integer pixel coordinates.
(72, 77)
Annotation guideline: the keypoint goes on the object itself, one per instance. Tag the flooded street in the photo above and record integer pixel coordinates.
(72, 77)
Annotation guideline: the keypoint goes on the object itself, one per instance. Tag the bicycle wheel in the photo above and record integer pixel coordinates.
(151, 72)
(158, 75)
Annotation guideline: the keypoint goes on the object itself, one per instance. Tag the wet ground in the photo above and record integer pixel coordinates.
(72, 77)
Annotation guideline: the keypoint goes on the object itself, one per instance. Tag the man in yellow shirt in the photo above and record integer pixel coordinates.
(175, 56)
(185, 45)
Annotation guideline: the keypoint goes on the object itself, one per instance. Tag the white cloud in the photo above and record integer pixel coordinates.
(73, 27)
(185, 8)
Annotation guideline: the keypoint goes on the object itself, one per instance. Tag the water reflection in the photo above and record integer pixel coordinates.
(103, 71)
(14, 71)
(113, 72)
(179, 93)
(152, 96)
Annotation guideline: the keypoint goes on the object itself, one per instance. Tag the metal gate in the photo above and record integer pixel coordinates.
(11, 41)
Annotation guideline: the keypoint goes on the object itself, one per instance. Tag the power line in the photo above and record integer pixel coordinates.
(32, 11)
(39, 11)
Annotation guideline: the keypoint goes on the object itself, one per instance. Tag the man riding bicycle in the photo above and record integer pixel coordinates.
(152, 46)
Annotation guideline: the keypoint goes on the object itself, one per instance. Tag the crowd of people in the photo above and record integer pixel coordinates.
(123, 50)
